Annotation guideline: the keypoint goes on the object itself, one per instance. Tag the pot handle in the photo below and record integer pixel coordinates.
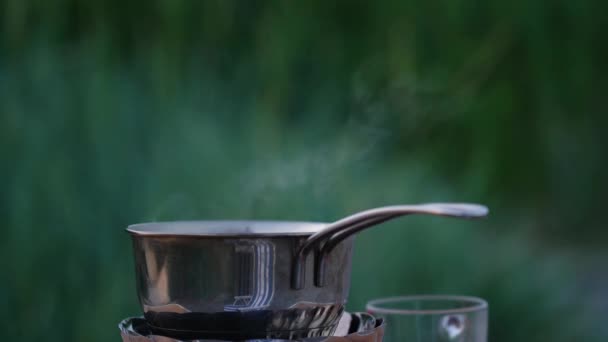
(325, 240)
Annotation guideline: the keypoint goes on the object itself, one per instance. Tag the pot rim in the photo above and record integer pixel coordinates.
(225, 228)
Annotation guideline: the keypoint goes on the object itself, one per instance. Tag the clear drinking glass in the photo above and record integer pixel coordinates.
(432, 318)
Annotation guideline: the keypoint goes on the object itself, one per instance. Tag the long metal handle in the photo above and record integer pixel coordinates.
(336, 232)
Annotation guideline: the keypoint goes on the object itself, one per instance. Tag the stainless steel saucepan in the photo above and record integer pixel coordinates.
(247, 279)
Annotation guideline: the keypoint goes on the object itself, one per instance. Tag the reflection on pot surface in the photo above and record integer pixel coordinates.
(254, 269)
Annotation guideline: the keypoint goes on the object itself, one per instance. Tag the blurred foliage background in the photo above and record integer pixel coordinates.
(116, 112)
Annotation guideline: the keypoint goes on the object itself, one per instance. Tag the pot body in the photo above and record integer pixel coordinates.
(231, 286)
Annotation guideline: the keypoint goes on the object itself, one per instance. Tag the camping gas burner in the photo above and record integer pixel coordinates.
(356, 327)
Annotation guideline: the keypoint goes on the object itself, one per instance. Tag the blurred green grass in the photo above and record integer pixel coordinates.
(113, 113)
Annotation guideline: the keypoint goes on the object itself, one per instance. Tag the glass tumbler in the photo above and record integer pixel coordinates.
(432, 318)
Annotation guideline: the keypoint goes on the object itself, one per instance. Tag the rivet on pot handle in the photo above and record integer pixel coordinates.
(325, 240)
